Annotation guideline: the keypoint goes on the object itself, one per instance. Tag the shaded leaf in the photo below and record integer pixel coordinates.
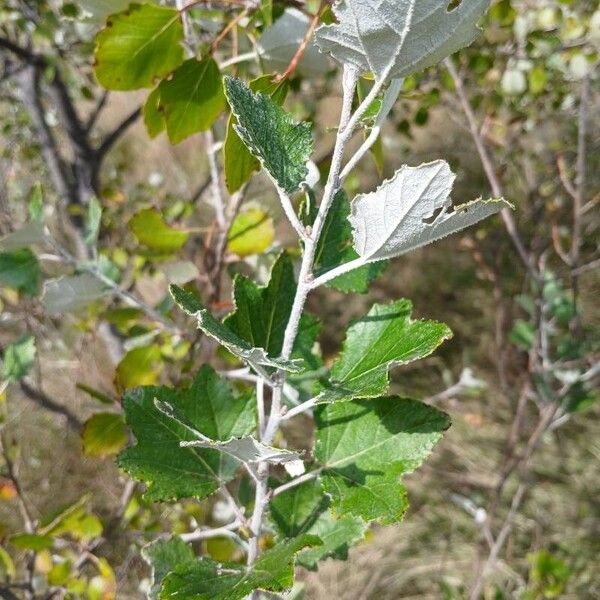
(104, 434)
(20, 270)
(138, 46)
(393, 38)
(36, 203)
(282, 146)
(19, 357)
(262, 313)
(384, 337)
(225, 336)
(402, 214)
(163, 556)
(72, 293)
(206, 579)
(92, 225)
(366, 446)
(279, 42)
(154, 119)
(213, 408)
(335, 248)
(74, 520)
(29, 234)
(305, 509)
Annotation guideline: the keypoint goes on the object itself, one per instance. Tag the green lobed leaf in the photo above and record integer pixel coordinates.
(20, 270)
(384, 337)
(212, 407)
(262, 313)
(305, 509)
(164, 556)
(225, 336)
(238, 163)
(191, 100)
(138, 46)
(282, 146)
(104, 434)
(206, 579)
(19, 357)
(150, 229)
(335, 248)
(366, 446)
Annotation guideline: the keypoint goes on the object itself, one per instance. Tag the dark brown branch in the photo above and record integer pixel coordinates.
(29, 84)
(45, 401)
(110, 140)
(200, 190)
(22, 53)
(96, 112)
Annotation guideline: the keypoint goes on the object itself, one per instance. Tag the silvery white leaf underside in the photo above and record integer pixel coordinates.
(412, 210)
(393, 38)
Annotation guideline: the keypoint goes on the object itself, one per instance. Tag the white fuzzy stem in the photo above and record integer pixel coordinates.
(298, 410)
(341, 270)
(297, 481)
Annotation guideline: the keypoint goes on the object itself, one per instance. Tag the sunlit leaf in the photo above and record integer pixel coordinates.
(411, 210)
(251, 232)
(150, 229)
(140, 366)
(366, 446)
(104, 434)
(384, 337)
(138, 46)
(238, 163)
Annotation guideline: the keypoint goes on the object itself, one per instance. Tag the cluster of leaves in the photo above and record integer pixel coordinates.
(196, 439)
(203, 438)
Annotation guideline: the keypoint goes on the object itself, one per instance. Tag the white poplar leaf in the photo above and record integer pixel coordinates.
(248, 450)
(278, 44)
(29, 234)
(72, 293)
(412, 210)
(394, 38)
